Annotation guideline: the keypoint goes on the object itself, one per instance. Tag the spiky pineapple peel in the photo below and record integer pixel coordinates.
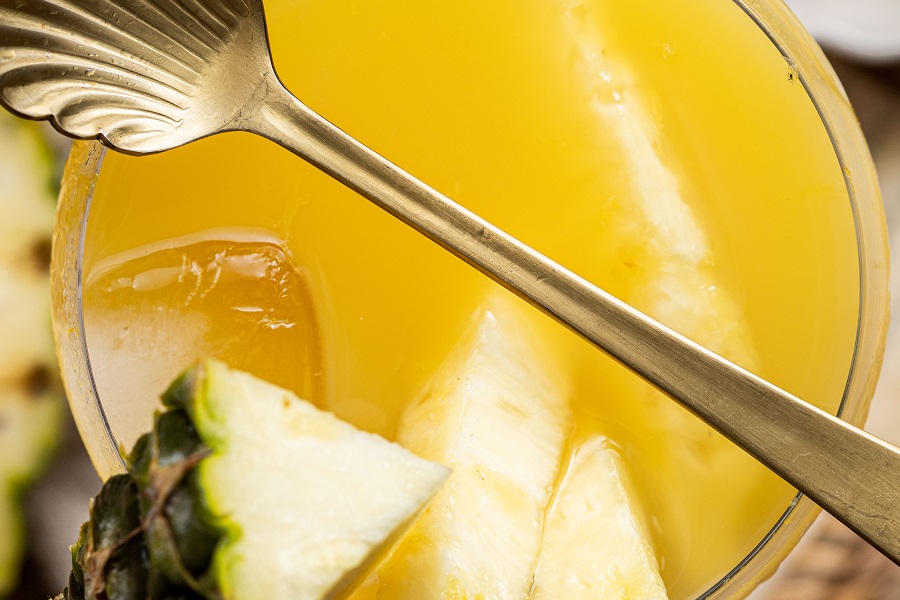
(187, 519)
(150, 531)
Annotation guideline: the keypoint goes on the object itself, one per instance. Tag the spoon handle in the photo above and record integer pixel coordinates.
(846, 471)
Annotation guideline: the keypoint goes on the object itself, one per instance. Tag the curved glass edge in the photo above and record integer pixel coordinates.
(813, 71)
(806, 61)
(81, 173)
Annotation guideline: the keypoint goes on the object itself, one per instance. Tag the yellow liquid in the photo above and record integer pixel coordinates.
(494, 104)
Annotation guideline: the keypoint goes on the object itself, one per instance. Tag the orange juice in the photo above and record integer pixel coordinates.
(663, 150)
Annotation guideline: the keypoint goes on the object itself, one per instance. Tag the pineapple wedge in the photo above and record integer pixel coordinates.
(595, 545)
(341, 497)
(242, 492)
(498, 416)
(671, 259)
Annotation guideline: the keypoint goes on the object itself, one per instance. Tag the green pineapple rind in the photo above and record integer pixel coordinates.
(150, 535)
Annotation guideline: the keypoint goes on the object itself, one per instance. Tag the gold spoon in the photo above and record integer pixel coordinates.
(145, 76)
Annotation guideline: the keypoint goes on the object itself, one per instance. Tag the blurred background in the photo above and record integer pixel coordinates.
(862, 39)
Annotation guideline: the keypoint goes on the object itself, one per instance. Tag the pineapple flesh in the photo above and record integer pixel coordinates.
(30, 391)
(244, 491)
(498, 416)
(668, 249)
(595, 542)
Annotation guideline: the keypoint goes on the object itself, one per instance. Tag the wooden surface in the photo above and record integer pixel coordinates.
(831, 563)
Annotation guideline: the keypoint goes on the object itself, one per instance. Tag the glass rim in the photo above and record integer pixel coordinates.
(804, 61)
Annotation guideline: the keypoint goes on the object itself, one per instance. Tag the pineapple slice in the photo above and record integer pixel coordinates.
(595, 545)
(496, 414)
(668, 250)
(341, 497)
(30, 392)
(244, 491)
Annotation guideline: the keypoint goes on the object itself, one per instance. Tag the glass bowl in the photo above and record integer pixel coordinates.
(806, 66)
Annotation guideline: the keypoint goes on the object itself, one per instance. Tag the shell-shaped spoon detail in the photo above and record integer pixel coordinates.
(143, 75)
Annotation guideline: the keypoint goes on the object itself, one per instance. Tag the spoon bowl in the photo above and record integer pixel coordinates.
(143, 77)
